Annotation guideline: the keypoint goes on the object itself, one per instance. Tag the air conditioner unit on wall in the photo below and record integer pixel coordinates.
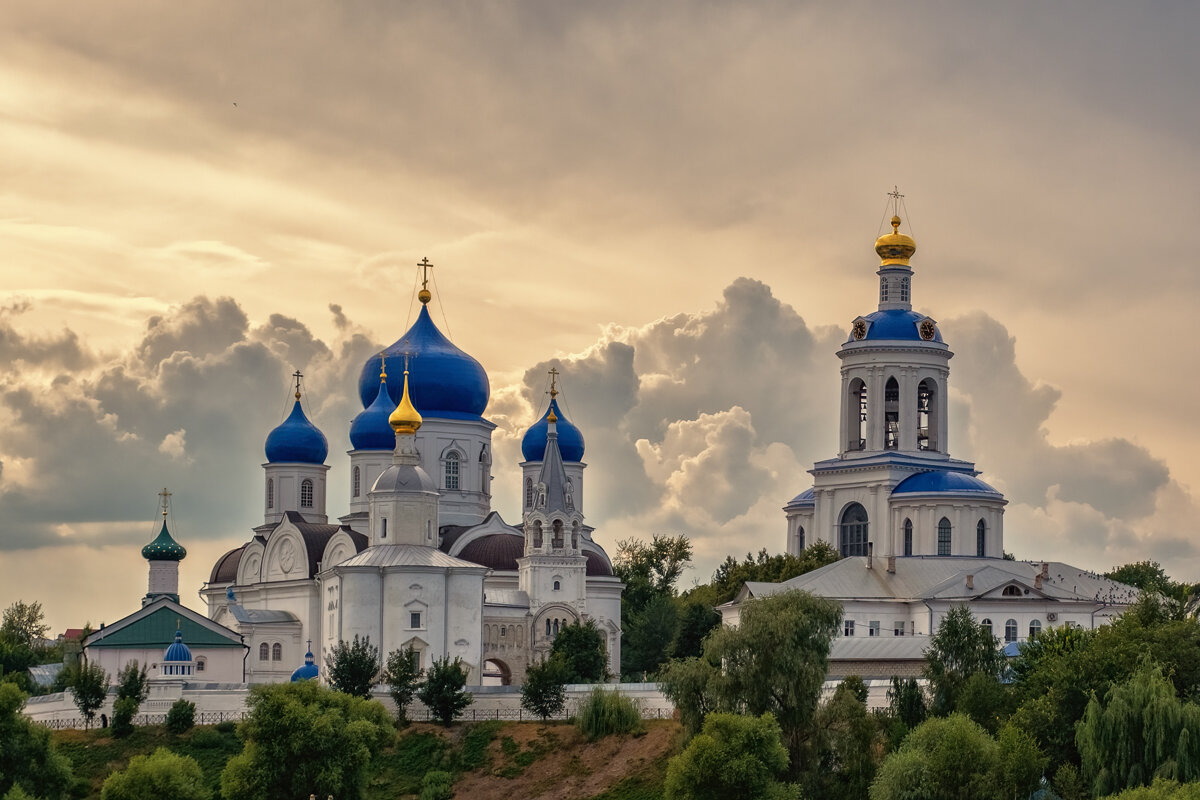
(1051, 617)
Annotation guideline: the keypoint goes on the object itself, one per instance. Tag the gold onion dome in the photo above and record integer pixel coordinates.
(405, 419)
(895, 247)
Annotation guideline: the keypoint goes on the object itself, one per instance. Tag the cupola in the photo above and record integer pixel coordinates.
(296, 440)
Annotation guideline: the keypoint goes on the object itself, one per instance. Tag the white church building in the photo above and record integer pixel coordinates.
(918, 530)
(420, 559)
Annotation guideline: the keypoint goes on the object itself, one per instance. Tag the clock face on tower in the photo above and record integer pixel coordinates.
(927, 329)
(860, 329)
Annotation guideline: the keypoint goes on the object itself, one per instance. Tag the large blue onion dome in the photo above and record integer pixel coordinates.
(297, 440)
(164, 547)
(570, 439)
(895, 324)
(371, 430)
(944, 482)
(306, 671)
(445, 381)
(178, 651)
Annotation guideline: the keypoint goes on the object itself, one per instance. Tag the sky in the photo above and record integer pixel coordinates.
(673, 202)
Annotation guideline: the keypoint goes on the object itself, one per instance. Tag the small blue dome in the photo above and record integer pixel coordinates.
(371, 430)
(570, 439)
(443, 381)
(894, 324)
(178, 651)
(943, 481)
(806, 498)
(297, 440)
(307, 671)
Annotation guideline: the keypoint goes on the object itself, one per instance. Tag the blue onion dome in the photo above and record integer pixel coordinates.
(895, 324)
(178, 651)
(164, 548)
(570, 438)
(297, 440)
(307, 671)
(445, 382)
(371, 430)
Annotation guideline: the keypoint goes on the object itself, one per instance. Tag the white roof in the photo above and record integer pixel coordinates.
(405, 555)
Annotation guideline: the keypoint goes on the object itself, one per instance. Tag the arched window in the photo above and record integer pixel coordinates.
(452, 459)
(270, 492)
(981, 539)
(264, 651)
(306, 493)
(556, 627)
(800, 537)
(557, 585)
(383, 528)
(853, 531)
(277, 652)
(356, 482)
(547, 627)
(857, 415)
(891, 414)
(944, 537)
(529, 492)
(926, 416)
(557, 539)
(1010, 631)
(1012, 591)
(986, 624)
(199, 665)
(908, 551)
(537, 535)
(575, 536)
(1035, 627)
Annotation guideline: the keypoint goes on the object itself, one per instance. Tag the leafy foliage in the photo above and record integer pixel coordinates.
(28, 759)
(1161, 790)
(581, 648)
(401, 673)
(181, 716)
(605, 713)
(24, 623)
(732, 574)
(132, 689)
(733, 756)
(90, 689)
(650, 571)
(353, 666)
(20, 630)
(544, 690)
(156, 776)
(437, 785)
(302, 738)
(443, 690)
(960, 648)
(845, 744)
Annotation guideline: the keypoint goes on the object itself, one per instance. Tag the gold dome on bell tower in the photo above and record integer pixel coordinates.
(895, 247)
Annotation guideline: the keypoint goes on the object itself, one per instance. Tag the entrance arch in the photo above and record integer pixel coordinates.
(496, 673)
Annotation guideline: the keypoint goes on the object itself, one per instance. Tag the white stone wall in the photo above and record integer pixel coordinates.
(221, 664)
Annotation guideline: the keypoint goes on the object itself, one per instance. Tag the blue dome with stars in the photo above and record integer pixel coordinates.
(306, 671)
(570, 439)
(297, 440)
(443, 381)
(178, 651)
(371, 430)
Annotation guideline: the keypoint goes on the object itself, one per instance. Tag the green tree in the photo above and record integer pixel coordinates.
(944, 758)
(733, 756)
(544, 690)
(647, 635)
(846, 745)
(90, 689)
(960, 648)
(354, 666)
(443, 691)
(24, 623)
(181, 716)
(156, 776)
(301, 738)
(29, 761)
(401, 673)
(1161, 790)
(696, 620)
(1019, 764)
(650, 571)
(691, 684)
(985, 700)
(581, 646)
(132, 688)
(732, 574)
(906, 701)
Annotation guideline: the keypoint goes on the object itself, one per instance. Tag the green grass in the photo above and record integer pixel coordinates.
(398, 770)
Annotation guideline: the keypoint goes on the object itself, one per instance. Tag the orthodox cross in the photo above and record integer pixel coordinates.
(896, 198)
(424, 265)
(553, 382)
(297, 375)
(164, 494)
(407, 355)
(382, 365)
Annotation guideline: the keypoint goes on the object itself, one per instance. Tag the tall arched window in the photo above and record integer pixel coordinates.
(270, 492)
(1010, 631)
(800, 537)
(926, 416)
(452, 459)
(356, 482)
(908, 544)
(986, 624)
(556, 627)
(891, 415)
(529, 492)
(981, 539)
(853, 531)
(944, 531)
(277, 652)
(306, 493)
(556, 539)
(1035, 627)
(264, 651)
(547, 627)
(856, 415)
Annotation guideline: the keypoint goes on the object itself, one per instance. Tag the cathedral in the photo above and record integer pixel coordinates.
(420, 559)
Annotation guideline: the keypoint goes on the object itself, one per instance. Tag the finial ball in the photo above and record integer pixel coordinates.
(424, 295)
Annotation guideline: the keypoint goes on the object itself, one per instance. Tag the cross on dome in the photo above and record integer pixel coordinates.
(297, 375)
(164, 494)
(424, 295)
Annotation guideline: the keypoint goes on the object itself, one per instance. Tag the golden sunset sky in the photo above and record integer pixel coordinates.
(677, 201)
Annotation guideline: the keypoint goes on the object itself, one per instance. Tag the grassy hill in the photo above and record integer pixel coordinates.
(490, 760)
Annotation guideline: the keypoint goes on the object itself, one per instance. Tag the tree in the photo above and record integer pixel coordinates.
(401, 674)
(696, 621)
(132, 689)
(647, 635)
(544, 690)
(581, 646)
(158, 775)
(300, 739)
(960, 648)
(443, 691)
(733, 756)
(906, 701)
(648, 614)
(24, 623)
(181, 716)
(732, 574)
(29, 760)
(846, 745)
(90, 689)
(353, 666)
(691, 684)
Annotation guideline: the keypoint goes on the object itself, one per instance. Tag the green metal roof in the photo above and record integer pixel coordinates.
(158, 630)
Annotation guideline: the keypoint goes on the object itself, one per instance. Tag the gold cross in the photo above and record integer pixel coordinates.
(297, 375)
(164, 494)
(553, 382)
(896, 198)
(424, 264)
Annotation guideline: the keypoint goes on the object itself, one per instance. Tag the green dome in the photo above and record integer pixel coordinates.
(164, 548)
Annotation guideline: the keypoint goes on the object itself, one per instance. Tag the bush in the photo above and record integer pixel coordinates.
(442, 690)
(544, 690)
(28, 758)
(604, 713)
(228, 726)
(122, 719)
(437, 785)
(354, 666)
(182, 716)
(156, 776)
(207, 738)
(734, 756)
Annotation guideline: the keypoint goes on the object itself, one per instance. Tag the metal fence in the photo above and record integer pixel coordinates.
(101, 721)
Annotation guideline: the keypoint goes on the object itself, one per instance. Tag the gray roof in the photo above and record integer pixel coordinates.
(506, 597)
(44, 674)
(944, 578)
(260, 616)
(875, 648)
(554, 476)
(405, 555)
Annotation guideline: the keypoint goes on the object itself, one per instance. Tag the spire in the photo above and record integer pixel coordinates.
(405, 419)
(559, 495)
